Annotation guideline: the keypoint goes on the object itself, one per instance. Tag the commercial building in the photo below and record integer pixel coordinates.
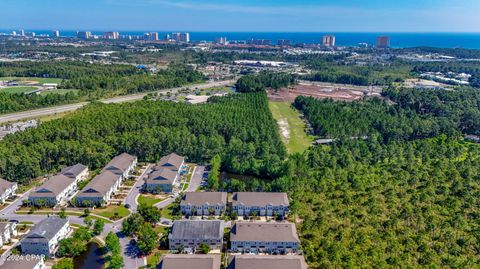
(383, 42)
(189, 234)
(267, 262)
(23, 262)
(103, 186)
(328, 41)
(260, 203)
(165, 173)
(7, 231)
(203, 203)
(84, 35)
(177, 261)
(43, 238)
(266, 237)
(7, 189)
(60, 187)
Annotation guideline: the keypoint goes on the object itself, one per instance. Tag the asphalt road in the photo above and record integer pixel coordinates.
(120, 99)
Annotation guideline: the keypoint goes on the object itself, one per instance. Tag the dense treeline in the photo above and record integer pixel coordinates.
(342, 78)
(263, 80)
(239, 128)
(367, 204)
(19, 102)
(456, 67)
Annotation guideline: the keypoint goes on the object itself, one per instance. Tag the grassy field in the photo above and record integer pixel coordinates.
(58, 91)
(292, 127)
(39, 80)
(109, 211)
(17, 89)
(148, 200)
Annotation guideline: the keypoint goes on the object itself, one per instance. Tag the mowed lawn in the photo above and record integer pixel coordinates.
(148, 200)
(39, 80)
(291, 126)
(17, 89)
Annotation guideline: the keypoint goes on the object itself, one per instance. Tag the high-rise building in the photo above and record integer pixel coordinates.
(22, 32)
(84, 35)
(181, 37)
(55, 33)
(284, 42)
(221, 40)
(328, 41)
(383, 42)
(264, 42)
(111, 35)
(152, 36)
(14, 33)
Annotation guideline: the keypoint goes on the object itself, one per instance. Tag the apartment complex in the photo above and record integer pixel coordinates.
(203, 203)
(165, 173)
(264, 237)
(7, 189)
(60, 187)
(260, 203)
(172, 261)
(103, 186)
(189, 234)
(43, 238)
(267, 262)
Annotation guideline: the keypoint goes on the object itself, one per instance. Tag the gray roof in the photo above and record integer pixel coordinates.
(52, 187)
(172, 161)
(20, 263)
(4, 185)
(100, 184)
(201, 198)
(264, 232)
(120, 163)
(47, 228)
(260, 198)
(197, 229)
(4, 225)
(74, 170)
(174, 261)
(161, 176)
(267, 262)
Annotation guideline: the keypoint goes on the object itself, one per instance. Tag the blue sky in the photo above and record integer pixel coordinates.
(247, 15)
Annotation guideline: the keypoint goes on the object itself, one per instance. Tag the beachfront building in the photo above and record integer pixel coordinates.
(189, 234)
(59, 188)
(43, 238)
(264, 237)
(7, 189)
(260, 203)
(203, 203)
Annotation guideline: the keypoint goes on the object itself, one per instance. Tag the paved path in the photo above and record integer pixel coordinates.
(126, 98)
(131, 198)
(196, 178)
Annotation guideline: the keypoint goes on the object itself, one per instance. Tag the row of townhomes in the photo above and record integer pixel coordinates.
(165, 174)
(243, 203)
(103, 186)
(59, 189)
(187, 261)
(7, 189)
(43, 238)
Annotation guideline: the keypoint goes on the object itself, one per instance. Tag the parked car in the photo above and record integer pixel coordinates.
(127, 206)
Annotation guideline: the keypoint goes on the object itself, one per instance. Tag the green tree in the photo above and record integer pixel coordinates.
(132, 224)
(62, 214)
(65, 263)
(204, 248)
(150, 214)
(147, 239)
(98, 226)
(116, 261)
(112, 242)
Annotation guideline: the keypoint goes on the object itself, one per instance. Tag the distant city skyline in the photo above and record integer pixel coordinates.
(244, 16)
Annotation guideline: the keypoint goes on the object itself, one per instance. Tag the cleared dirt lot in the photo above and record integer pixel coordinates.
(322, 90)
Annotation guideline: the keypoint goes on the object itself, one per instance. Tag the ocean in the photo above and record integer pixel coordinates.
(398, 40)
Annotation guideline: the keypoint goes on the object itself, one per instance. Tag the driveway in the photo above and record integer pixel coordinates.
(131, 198)
(196, 178)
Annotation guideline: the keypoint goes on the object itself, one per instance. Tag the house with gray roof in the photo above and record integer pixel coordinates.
(43, 238)
(171, 161)
(23, 262)
(122, 164)
(59, 188)
(264, 237)
(203, 203)
(7, 231)
(7, 189)
(260, 203)
(189, 234)
(267, 262)
(161, 180)
(186, 261)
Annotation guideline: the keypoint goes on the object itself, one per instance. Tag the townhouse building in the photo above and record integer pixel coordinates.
(189, 234)
(23, 262)
(164, 174)
(260, 203)
(43, 238)
(186, 261)
(267, 262)
(203, 203)
(7, 189)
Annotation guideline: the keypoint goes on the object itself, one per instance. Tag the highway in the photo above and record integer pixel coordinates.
(31, 114)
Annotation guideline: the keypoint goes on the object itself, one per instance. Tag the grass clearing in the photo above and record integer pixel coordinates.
(17, 89)
(39, 80)
(58, 91)
(167, 212)
(292, 127)
(149, 200)
(112, 211)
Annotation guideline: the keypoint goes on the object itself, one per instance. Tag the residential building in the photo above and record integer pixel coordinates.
(23, 262)
(267, 262)
(7, 189)
(328, 41)
(178, 261)
(189, 234)
(264, 237)
(165, 173)
(84, 35)
(43, 238)
(59, 188)
(284, 42)
(55, 33)
(383, 42)
(203, 203)
(152, 36)
(180, 37)
(103, 186)
(111, 35)
(260, 203)
(221, 41)
(7, 231)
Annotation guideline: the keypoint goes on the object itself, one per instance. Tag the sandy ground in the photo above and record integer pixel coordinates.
(284, 128)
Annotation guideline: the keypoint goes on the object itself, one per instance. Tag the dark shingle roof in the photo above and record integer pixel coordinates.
(171, 160)
(264, 232)
(267, 262)
(100, 184)
(120, 163)
(20, 263)
(74, 170)
(52, 187)
(201, 198)
(260, 198)
(173, 261)
(46, 228)
(162, 176)
(4, 185)
(197, 229)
